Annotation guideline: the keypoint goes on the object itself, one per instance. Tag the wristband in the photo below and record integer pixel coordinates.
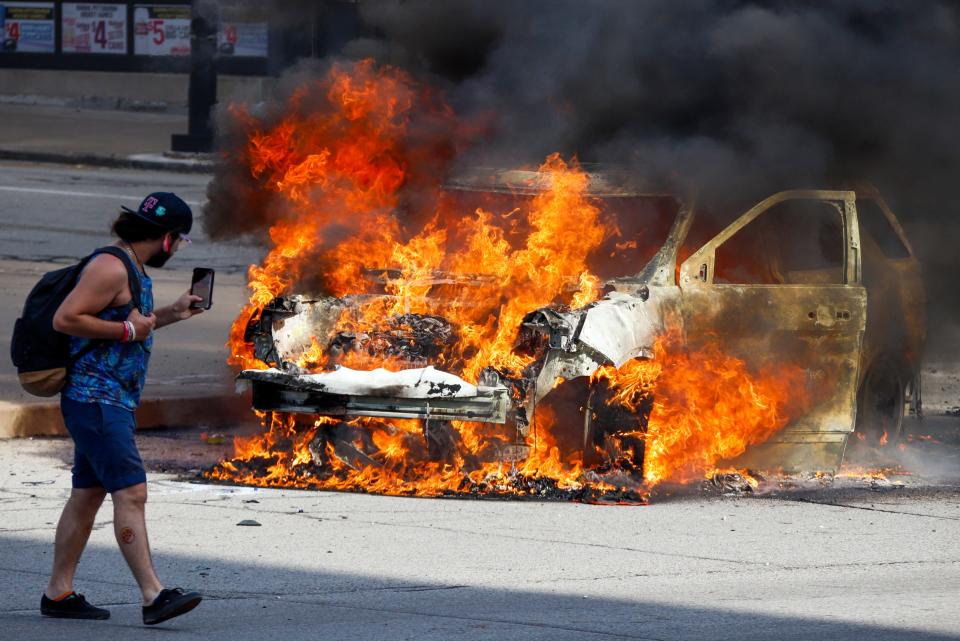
(133, 330)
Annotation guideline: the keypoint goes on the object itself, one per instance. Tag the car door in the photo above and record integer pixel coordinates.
(781, 287)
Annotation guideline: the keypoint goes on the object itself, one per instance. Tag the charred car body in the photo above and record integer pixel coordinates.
(823, 279)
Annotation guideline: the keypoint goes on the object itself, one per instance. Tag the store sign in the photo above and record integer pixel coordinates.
(27, 27)
(94, 28)
(161, 30)
(243, 39)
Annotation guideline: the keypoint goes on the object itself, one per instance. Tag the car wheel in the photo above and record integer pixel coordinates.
(881, 403)
(612, 432)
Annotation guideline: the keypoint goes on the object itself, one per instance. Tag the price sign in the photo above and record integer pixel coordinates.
(243, 39)
(94, 28)
(27, 27)
(161, 30)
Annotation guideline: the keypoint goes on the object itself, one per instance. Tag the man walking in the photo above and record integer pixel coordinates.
(111, 338)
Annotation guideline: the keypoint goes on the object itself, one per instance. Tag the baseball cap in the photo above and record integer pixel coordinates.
(166, 210)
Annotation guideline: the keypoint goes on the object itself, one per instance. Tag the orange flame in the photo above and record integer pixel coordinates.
(340, 164)
(707, 406)
(286, 455)
(337, 168)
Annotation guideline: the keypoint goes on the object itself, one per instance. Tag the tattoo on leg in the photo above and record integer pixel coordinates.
(127, 535)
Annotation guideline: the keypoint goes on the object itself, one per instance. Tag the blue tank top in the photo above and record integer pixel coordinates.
(112, 372)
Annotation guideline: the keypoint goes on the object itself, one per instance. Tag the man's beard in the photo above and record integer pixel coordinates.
(159, 259)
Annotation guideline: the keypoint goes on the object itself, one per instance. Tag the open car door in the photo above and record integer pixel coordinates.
(781, 287)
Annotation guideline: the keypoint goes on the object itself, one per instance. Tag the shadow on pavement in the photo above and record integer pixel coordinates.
(258, 601)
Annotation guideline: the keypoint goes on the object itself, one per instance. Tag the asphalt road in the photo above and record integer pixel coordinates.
(855, 559)
(54, 215)
(59, 213)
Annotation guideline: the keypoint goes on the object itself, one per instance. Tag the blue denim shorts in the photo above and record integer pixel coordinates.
(105, 452)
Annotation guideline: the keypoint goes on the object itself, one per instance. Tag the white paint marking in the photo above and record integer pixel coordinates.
(167, 487)
(82, 194)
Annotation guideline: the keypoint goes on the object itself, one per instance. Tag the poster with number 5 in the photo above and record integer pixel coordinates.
(161, 30)
(94, 28)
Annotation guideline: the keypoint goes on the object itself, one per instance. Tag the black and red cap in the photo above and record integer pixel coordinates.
(167, 211)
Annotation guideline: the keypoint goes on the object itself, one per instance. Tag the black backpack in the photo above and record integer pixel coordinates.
(40, 353)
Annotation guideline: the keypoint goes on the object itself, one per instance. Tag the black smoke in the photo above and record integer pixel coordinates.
(736, 99)
(778, 90)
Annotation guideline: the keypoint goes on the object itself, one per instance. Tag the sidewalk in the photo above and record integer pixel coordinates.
(133, 139)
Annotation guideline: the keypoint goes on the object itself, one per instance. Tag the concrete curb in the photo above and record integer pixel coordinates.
(98, 160)
(18, 420)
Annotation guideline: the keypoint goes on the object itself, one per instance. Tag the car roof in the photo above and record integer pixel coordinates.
(605, 182)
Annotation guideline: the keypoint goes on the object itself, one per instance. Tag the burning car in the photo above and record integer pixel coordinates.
(818, 289)
(561, 331)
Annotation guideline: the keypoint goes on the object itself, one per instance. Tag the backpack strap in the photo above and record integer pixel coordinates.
(133, 280)
(133, 273)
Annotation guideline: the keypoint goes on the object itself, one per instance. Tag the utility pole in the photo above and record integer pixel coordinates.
(202, 94)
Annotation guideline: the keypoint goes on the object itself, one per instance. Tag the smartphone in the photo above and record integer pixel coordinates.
(202, 286)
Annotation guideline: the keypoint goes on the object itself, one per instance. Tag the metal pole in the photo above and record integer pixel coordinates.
(202, 93)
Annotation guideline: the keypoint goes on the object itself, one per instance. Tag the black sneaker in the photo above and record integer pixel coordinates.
(170, 603)
(71, 607)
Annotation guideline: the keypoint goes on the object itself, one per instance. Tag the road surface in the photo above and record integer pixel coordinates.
(858, 559)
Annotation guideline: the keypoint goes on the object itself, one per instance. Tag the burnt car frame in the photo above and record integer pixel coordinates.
(823, 279)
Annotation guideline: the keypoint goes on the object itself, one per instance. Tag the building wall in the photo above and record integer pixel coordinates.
(131, 88)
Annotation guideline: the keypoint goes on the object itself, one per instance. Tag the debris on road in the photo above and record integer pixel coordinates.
(731, 483)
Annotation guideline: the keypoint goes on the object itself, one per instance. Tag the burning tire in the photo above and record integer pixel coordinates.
(613, 433)
(881, 402)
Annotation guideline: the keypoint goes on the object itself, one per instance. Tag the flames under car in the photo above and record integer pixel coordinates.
(822, 280)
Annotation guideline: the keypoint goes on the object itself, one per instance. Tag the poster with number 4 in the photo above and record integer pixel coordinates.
(27, 27)
(94, 28)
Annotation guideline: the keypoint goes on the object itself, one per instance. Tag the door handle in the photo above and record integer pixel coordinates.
(828, 315)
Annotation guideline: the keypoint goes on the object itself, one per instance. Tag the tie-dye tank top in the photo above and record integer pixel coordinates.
(112, 372)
